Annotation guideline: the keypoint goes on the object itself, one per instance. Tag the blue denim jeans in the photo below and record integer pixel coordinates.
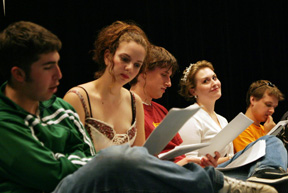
(125, 169)
(275, 157)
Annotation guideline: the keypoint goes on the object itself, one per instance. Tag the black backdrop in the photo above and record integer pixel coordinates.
(245, 40)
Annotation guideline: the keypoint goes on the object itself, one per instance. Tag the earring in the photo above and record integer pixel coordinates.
(144, 75)
(195, 96)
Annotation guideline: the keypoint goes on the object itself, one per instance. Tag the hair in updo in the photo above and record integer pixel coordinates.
(111, 36)
(188, 79)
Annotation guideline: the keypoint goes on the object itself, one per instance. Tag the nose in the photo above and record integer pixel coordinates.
(271, 110)
(129, 66)
(58, 73)
(168, 83)
(215, 83)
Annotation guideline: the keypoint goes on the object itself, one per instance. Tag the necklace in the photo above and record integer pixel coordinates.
(146, 103)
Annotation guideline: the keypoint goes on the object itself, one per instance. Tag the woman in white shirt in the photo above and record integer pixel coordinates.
(201, 85)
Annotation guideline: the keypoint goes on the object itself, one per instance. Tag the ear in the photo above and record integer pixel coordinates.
(252, 100)
(143, 75)
(192, 91)
(107, 57)
(18, 74)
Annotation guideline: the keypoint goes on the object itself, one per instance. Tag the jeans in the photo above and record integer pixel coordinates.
(275, 157)
(133, 169)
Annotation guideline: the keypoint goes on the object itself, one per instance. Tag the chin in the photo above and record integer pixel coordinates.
(46, 98)
(219, 94)
(157, 97)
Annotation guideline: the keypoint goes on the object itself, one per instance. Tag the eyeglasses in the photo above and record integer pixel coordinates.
(270, 84)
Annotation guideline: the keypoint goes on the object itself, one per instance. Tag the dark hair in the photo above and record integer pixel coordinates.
(158, 57)
(188, 79)
(111, 36)
(21, 43)
(258, 88)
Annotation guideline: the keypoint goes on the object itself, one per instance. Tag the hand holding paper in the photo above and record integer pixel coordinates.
(181, 150)
(280, 125)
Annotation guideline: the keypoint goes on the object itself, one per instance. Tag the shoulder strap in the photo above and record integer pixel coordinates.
(82, 101)
(133, 105)
(87, 99)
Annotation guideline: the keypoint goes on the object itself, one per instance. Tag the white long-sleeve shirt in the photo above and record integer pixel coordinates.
(201, 128)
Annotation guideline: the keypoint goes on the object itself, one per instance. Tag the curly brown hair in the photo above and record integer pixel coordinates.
(111, 36)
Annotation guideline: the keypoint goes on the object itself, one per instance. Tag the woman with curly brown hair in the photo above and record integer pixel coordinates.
(111, 114)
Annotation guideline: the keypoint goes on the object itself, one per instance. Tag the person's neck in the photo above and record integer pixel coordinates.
(108, 93)
(251, 116)
(209, 107)
(140, 91)
(19, 97)
(107, 87)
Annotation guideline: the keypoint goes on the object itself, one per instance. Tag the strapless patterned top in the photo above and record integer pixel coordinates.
(103, 134)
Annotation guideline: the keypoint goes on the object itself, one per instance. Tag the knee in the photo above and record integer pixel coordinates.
(122, 157)
(271, 139)
(274, 143)
(110, 165)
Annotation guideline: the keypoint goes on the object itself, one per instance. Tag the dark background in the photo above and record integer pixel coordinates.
(245, 40)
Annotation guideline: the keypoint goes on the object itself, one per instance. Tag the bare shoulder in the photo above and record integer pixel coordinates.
(72, 98)
(75, 94)
(138, 102)
(72, 93)
(137, 99)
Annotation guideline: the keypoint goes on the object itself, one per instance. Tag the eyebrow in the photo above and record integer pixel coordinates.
(167, 72)
(49, 62)
(209, 76)
(127, 55)
(205, 77)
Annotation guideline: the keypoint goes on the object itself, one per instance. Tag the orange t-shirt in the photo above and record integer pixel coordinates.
(252, 133)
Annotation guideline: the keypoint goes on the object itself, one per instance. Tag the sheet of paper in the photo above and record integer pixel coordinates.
(181, 150)
(4, 7)
(227, 134)
(255, 152)
(277, 128)
(168, 128)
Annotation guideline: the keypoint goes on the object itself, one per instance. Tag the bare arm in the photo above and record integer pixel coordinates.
(187, 160)
(223, 159)
(75, 101)
(140, 138)
(203, 162)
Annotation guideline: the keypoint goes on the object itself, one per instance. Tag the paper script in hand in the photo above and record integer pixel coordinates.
(168, 128)
(181, 150)
(277, 128)
(255, 152)
(227, 134)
